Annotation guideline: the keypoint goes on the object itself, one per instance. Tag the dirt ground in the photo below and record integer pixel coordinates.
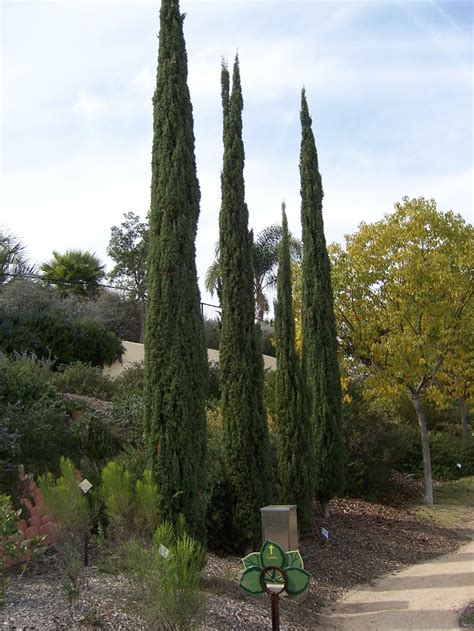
(366, 540)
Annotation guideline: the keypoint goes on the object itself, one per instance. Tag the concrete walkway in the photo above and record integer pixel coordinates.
(424, 596)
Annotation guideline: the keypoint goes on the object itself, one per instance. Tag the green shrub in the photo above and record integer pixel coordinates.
(24, 378)
(117, 496)
(127, 420)
(130, 382)
(56, 335)
(218, 506)
(79, 378)
(8, 460)
(65, 501)
(212, 333)
(447, 451)
(131, 507)
(43, 432)
(127, 407)
(168, 579)
(95, 344)
(145, 505)
(117, 313)
(372, 446)
(214, 385)
(11, 546)
(93, 439)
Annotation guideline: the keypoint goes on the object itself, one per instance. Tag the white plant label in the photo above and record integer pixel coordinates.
(459, 465)
(163, 550)
(85, 485)
(325, 533)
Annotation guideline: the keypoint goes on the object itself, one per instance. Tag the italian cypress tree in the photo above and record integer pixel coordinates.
(318, 327)
(176, 366)
(293, 430)
(246, 441)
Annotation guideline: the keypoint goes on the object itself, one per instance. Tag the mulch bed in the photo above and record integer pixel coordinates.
(365, 541)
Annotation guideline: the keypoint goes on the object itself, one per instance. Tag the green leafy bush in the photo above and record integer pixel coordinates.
(130, 507)
(24, 378)
(116, 312)
(95, 344)
(117, 496)
(218, 503)
(43, 432)
(8, 460)
(130, 382)
(127, 408)
(168, 579)
(373, 445)
(93, 439)
(11, 545)
(447, 451)
(79, 378)
(55, 335)
(214, 385)
(65, 501)
(127, 420)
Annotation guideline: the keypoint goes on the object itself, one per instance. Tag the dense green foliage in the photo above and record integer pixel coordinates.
(175, 352)
(84, 379)
(169, 585)
(76, 272)
(404, 294)
(36, 320)
(292, 427)
(37, 426)
(115, 311)
(246, 442)
(319, 343)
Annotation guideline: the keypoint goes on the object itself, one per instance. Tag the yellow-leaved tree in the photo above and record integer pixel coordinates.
(403, 288)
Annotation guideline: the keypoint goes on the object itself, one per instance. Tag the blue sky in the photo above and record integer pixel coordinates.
(389, 86)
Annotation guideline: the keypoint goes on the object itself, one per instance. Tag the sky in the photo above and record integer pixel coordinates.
(389, 87)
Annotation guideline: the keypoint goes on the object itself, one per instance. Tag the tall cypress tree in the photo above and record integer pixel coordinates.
(318, 327)
(176, 366)
(293, 430)
(246, 442)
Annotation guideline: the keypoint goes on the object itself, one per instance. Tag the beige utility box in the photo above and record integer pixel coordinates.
(280, 524)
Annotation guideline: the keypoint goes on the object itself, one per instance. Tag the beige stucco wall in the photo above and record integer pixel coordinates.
(134, 352)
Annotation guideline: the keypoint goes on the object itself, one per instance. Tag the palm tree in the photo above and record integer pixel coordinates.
(265, 262)
(13, 263)
(76, 272)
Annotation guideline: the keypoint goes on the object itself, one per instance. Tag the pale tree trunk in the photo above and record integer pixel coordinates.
(463, 408)
(425, 448)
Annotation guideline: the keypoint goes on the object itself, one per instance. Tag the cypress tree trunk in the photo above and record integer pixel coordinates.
(318, 327)
(176, 366)
(293, 431)
(246, 441)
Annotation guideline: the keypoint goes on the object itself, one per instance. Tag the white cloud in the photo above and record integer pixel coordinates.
(89, 105)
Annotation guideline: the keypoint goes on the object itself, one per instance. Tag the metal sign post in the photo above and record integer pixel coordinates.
(274, 589)
(85, 487)
(274, 571)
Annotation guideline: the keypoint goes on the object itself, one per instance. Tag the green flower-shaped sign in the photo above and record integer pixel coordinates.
(271, 555)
